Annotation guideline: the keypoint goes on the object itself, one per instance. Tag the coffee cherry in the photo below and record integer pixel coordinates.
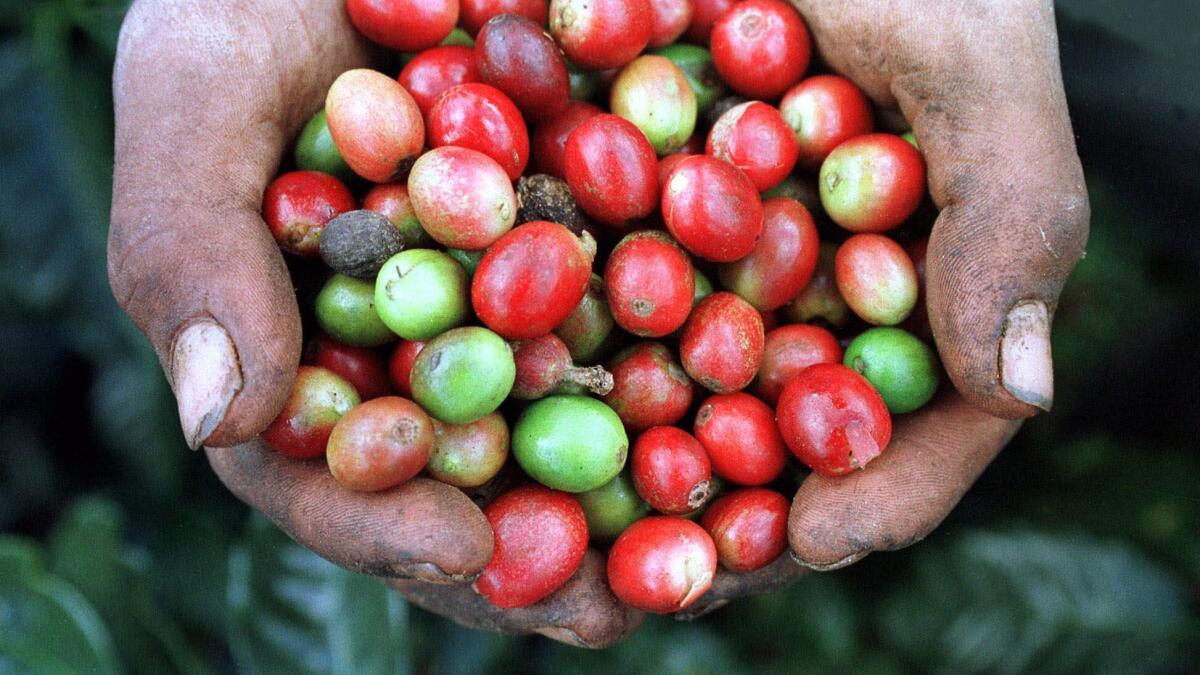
(611, 169)
(345, 309)
(832, 419)
(404, 25)
(433, 71)
(782, 261)
(722, 343)
(650, 283)
(544, 197)
(748, 527)
(544, 364)
(463, 374)
(375, 123)
(357, 243)
(661, 564)
(550, 137)
(516, 56)
(298, 205)
(473, 14)
(391, 200)
(601, 34)
(760, 48)
(379, 444)
(754, 138)
(697, 66)
(712, 209)
(704, 15)
(401, 363)
(421, 293)
(741, 438)
(902, 368)
(469, 455)
(669, 19)
(820, 299)
(612, 507)
(872, 183)
(587, 328)
(362, 368)
(823, 111)
(318, 399)
(316, 151)
(649, 387)
(877, 279)
(463, 198)
(480, 117)
(671, 470)
(571, 443)
(789, 350)
(654, 94)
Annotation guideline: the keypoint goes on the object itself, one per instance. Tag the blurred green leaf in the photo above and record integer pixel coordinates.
(293, 612)
(662, 646)
(1021, 602)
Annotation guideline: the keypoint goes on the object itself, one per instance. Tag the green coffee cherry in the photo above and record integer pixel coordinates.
(463, 374)
(421, 293)
(900, 366)
(612, 507)
(315, 150)
(704, 287)
(571, 443)
(697, 66)
(468, 259)
(653, 93)
(345, 310)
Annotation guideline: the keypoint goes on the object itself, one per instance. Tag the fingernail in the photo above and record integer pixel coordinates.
(564, 635)
(1026, 366)
(205, 376)
(828, 567)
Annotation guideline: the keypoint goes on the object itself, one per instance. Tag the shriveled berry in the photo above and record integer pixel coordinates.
(612, 507)
(375, 123)
(671, 470)
(421, 293)
(469, 455)
(832, 419)
(661, 564)
(571, 443)
(544, 197)
(357, 243)
(782, 261)
(463, 374)
(319, 398)
(754, 138)
(748, 527)
(544, 364)
(379, 444)
(712, 209)
(741, 438)
(877, 279)
(650, 284)
(649, 387)
(298, 205)
(790, 349)
(363, 368)
(722, 343)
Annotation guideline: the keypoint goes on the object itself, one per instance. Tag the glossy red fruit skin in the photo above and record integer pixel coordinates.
(748, 527)
(770, 319)
(823, 111)
(550, 137)
(704, 14)
(782, 261)
(649, 387)
(540, 539)
(601, 34)
(741, 438)
(473, 14)
(541, 363)
(753, 137)
(667, 164)
(832, 419)
(380, 444)
(480, 117)
(363, 368)
(670, 470)
(670, 18)
(897, 183)
(722, 343)
(400, 365)
(516, 56)
(790, 349)
(404, 25)
(298, 204)
(375, 124)
(463, 198)
(661, 564)
(530, 280)
(760, 48)
(712, 209)
(433, 71)
(612, 170)
(876, 278)
(319, 397)
(650, 282)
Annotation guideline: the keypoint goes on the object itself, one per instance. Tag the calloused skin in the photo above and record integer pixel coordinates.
(208, 96)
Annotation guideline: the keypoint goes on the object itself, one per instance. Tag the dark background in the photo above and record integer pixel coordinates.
(1075, 553)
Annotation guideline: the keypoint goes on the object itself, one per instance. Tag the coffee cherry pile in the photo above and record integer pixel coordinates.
(608, 324)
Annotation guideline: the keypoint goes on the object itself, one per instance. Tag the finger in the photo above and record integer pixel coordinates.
(934, 457)
(732, 585)
(205, 99)
(422, 529)
(583, 613)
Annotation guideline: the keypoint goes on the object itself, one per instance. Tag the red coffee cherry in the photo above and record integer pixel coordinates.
(319, 398)
(516, 56)
(741, 438)
(473, 14)
(712, 209)
(669, 19)
(544, 364)
(661, 564)
(748, 527)
(782, 261)
(872, 183)
(789, 350)
(722, 342)
(754, 138)
(380, 444)
(404, 25)
(480, 117)
(601, 34)
(375, 124)
(463, 198)
(401, 364)
(298, 204)
(361, 367)
(671, 470)
(876, 278)
(820, 300)
(917, 322)
(833, 419)
(668, 163)
(823, 111)
(704, 15)
(649, 387)
(540, 539)
(550, 137)
(611, 169)
(530, 280)
(650, 282)
(760, 48)
(435, 70)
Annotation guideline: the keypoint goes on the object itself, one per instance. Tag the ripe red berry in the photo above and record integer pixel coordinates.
(741, 438)
(544, 363)
(375, 124)
(748, 527)
(550, 137)
(404, 25)
(712, 209)
(473, 14)
(877, 279)
(530, 280)
(401, 364)
(872, 183)
(833, 419)
(380, 444)
(669, 19)
(671, 470)
(760, 48)
(782, 261)
(661, 564)
(722, 342)
(823, 111)
(650, 283)
(917, 322)
(649, 388)
(601, 34)
(298, 204)
(435, 70)
(790, 349)
(463, 198)
(480, 117)
(612, 170)
(704, 15)
(516, 56)
(753, 137)
(540, 539)
(319, 398)
(361, 367)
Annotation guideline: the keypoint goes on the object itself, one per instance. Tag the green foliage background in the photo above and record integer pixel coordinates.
(1076, 552)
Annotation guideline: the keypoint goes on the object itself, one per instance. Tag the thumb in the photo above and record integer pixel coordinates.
(204, 104)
